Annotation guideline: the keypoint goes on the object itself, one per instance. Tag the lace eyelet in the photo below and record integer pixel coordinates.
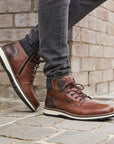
(80, 100)
(68, 100)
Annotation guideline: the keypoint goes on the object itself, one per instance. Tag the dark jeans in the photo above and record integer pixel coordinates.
(50, 36)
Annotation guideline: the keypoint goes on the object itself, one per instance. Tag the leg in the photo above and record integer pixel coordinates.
(31, 41)
(78, 9)
(12, 56)
(53, 32)
(64, 96)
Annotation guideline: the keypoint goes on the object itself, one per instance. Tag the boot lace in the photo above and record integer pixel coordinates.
(75, 91)
(35, 61)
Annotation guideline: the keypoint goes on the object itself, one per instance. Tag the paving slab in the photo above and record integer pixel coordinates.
(71, 137)
(78, 125)
(40, 120)
(26, 132)
(4, 140)
(20, 111)
(4, 120)
(106, 129)
(10, 105)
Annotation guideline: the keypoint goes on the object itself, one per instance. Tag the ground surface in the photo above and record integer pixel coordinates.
(20, 126)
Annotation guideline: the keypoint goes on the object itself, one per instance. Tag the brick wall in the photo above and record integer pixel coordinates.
(91, 45)
(92, 50)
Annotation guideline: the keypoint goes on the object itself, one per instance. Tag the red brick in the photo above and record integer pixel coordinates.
(95, 77)
(107, 75)
(103, 64)
(97, 24)
(88, 64)
(104, 39)
(110, 28)
(79, 50)
(109, 5)
(75, 65)
(101, 13)
(88, 36)
(25, 20)
(108, 52)
(111, 17)
(89, 90)
(35, 5)
(81, 78)
(102, 88)
(112, 62)
(12, 34)
(96, 51)
(111, 86)
(76, 32)
(5, 20)
(15, 5)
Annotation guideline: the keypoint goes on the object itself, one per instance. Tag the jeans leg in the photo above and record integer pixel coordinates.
(55, 17)
(77, 10)
(53, 34)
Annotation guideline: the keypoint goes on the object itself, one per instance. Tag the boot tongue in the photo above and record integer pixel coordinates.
(68, 79)
(62, 81)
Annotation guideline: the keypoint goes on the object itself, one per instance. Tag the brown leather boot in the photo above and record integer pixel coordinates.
(67, 99)
(21, 70)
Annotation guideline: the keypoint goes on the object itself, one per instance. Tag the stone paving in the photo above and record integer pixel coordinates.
(20, 126)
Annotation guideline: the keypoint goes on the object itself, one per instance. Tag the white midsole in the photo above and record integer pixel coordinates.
(3, 57)
(56, 113)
